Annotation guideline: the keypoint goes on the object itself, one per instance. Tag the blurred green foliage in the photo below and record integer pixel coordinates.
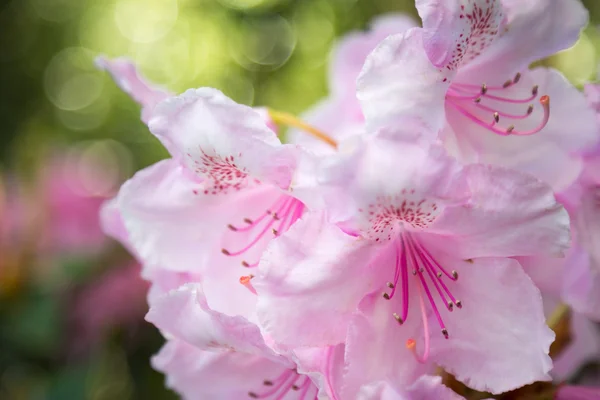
(259, 52)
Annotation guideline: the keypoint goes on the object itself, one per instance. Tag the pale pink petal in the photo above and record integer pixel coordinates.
(509, 214)
(358, 191)
(398, 80)
(500, 350)
(125, 74)
(222, 141)
(431, 387)
(185, 314)
(376, 346)
(112, 223)
(457, 31)
(198, 374)
(320, 273)
(350, 52)
(536, 29)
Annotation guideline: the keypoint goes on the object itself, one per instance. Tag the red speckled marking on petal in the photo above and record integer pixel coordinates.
(482, 21)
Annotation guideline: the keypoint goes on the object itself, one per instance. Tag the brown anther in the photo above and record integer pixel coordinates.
(450, 306)
(445, 333)
(458, 303)
(469, 260)
(439, 274)
(534, 90)
(483, 89)
(386, 296)
(275, 217)
(245, 264)
(414, 272)
(225, 251)
(421, 270)
(390, 285)
(295, 387)
(247, 220)
(496, 117)
(510, 129)
(253, 395)
(517, 77)
(454, 274)
(478, 100)
(275, 232)
(530, 109)
(400, 321)
(267, 383)
(507, 84)
(233, 228)
(269, 212)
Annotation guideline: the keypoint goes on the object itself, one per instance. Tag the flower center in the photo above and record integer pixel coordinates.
(222, 172)
(274, 221)
(386, 215)
(486, 106)
(429, 276)
(285, 384)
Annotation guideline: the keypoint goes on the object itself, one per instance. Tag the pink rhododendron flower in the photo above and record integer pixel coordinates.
(465, 73)
(347, 59)
(434, 222)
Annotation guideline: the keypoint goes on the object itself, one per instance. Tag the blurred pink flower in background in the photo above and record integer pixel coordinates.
(116, 299)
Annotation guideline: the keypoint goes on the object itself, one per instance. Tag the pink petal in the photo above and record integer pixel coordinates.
(398, 80)
(222, 141)
(321, 274)
(126, 75)
(509, 214)
(185, 314)
(431, 387)
(457, 31)
(199, 374)
(535, 29)
(501, 350)
(376, 346)
(350, 52)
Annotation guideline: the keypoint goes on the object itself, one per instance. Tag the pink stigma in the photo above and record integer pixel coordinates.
(274, 221)
(427, 271)
(285, 384)
(483, 106)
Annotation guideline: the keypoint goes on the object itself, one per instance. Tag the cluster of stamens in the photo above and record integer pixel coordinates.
(413, 257)
(274, 221)
(469, 100)
(286, 383)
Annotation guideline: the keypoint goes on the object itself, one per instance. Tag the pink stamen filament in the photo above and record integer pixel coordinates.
(411, 344)
(278, 206)
(461, 95)
(414, 255)
(276, 385)
(329, 374)
(416, 264)
(289, 203)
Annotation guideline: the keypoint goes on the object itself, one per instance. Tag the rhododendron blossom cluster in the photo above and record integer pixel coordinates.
(417, 218)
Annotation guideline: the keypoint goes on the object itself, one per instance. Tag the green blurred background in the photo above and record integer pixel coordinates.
(259, 52)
